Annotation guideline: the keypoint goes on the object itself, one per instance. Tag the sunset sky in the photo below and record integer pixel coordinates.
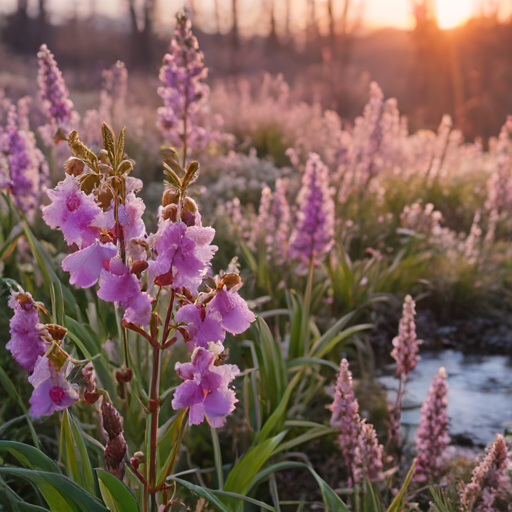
(375, 13)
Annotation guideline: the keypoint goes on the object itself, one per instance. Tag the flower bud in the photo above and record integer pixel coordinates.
(170, 196)
(229, 281)
(115, 452)
(138, 267)
(112, 421)
(170, 212)
(124, 376)
(91, 397)
(57, 332)
(74, 166)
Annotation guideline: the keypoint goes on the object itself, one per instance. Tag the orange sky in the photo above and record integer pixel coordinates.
(253, 15)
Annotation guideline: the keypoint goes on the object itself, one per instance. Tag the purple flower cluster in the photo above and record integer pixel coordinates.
(104, 221)
(54, 94)
(185, 119)
(406, 344)
(432, 434)
(313, 234)
(357, 440)
(23, 168)
(205, 388)
(490, 479)
(36, 347)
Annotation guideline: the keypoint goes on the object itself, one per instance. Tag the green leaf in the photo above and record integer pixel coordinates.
(398, 502)
(9, 387)
(169, 444)
(29, 457)
(18, 504)
(241, 476)
(313, 433)
(60, 492)
(306, 361)
(115, 494)
(207, 494)
(332, 501)
(74, 454)
(218, 457)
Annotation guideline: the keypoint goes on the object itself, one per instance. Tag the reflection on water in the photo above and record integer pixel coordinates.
(479, 397)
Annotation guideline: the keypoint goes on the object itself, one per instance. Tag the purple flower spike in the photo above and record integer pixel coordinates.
(205, 390)
(236, 316)
(52, 392)
(26, 343)
(86, 265)
(406, 343)
(203, 325)
(24, 166)
(117, 284)
(432, 434)
(490, 479)
(184, 255)
(313, 235)
(72, 211)
(57, 106)
(345, 413)
(367, 455)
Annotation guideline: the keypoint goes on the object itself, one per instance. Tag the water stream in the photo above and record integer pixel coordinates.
(479, 397)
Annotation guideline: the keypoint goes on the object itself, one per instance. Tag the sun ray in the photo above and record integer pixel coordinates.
(451, 13)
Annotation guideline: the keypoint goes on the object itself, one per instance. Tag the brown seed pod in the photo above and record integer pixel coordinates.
(170, 197)
(57, 332)
(112, 421)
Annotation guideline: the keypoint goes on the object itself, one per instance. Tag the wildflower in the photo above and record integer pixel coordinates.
(432, 434)
(26, 343)
(52, 392)
(72, 211)
(183, 255)
(262, 220)
(54, 94)
(184, 119)
(24, 165)
(368, 455)
(313, 235)
(203, 325)
(490, 479)
(406, 344)
(118, 284)
(85, 266)
(236, 317)
(345, 413)
(205, 390)
(130, 217)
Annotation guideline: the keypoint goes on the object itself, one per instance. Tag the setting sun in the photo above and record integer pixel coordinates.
(451, 13)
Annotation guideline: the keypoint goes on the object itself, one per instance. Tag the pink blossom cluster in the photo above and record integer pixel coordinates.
(29, 344)
(313, 233)
(490, 479)
(56, 105)
(357, 440)
(185, 119)
(100, 214)
(432, 434)
(23, 168)
(406, 344)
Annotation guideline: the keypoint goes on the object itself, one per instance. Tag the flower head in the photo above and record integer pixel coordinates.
(54, 94)
(183, 255)
(432, 434)
(490, 479)
(313, 235)
(52, 392)
(26, 343)
(368, 455)
(73, 212)
(345, 412)
(203, 325)
(236, 317)
(205, 390)
(406, 344)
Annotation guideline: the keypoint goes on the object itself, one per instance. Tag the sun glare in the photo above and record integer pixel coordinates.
(451, 13)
